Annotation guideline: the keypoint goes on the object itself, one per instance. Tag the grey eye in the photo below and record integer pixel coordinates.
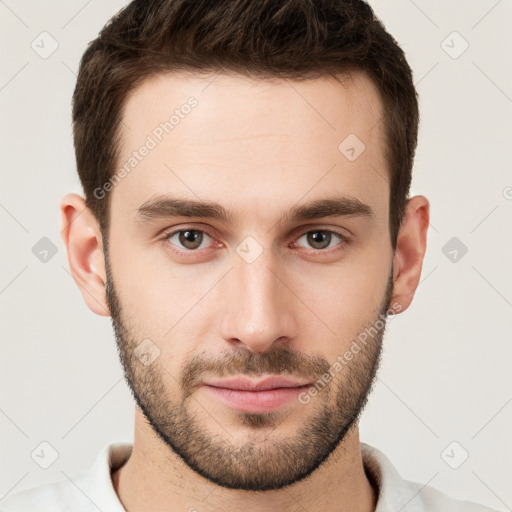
(190, 239)
(320, 238)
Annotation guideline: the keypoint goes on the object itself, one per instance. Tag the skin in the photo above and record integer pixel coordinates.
(257, 147)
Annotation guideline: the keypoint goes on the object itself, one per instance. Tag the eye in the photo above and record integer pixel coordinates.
(321, 239)
(189, 239)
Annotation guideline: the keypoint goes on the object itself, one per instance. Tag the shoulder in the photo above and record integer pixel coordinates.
(429, 499)
(56, 496)
(89, 490)
(396, 493)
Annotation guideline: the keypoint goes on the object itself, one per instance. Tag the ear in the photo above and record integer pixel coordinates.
(81, 235)
(410, 251)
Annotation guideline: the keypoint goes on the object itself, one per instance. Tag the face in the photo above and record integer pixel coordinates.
(282, 274)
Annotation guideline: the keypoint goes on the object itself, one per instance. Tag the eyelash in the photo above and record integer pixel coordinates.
(344, 240)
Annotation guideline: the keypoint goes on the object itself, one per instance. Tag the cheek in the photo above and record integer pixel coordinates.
(151, 308)
(346, 299)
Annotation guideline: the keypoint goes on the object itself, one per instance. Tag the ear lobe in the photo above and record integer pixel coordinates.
(410, 250)
(82, 237)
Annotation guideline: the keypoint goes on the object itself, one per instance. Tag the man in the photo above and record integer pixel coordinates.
(247, 226)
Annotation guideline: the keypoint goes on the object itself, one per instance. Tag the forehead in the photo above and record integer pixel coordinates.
(250, 142)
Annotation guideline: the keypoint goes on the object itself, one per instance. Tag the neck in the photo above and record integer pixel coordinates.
(155, 478)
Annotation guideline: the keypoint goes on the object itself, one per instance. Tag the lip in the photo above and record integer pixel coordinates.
(245, 384)
(260, 396)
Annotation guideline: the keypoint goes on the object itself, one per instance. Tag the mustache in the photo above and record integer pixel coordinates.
(278, 361)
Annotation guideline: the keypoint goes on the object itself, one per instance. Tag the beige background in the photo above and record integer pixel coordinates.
(446, 372)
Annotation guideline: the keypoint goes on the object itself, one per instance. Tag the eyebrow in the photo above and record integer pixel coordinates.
(166, 207)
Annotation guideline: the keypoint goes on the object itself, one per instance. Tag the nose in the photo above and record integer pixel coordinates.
(258, 308)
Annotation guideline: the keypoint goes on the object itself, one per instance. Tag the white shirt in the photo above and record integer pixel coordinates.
(93, 490)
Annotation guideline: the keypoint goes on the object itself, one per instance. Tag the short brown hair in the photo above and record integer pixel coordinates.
(296, 39)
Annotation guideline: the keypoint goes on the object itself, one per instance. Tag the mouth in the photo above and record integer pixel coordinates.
(264, 395)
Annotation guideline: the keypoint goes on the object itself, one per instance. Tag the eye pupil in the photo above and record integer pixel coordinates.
(318, 242)
(191, 239)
